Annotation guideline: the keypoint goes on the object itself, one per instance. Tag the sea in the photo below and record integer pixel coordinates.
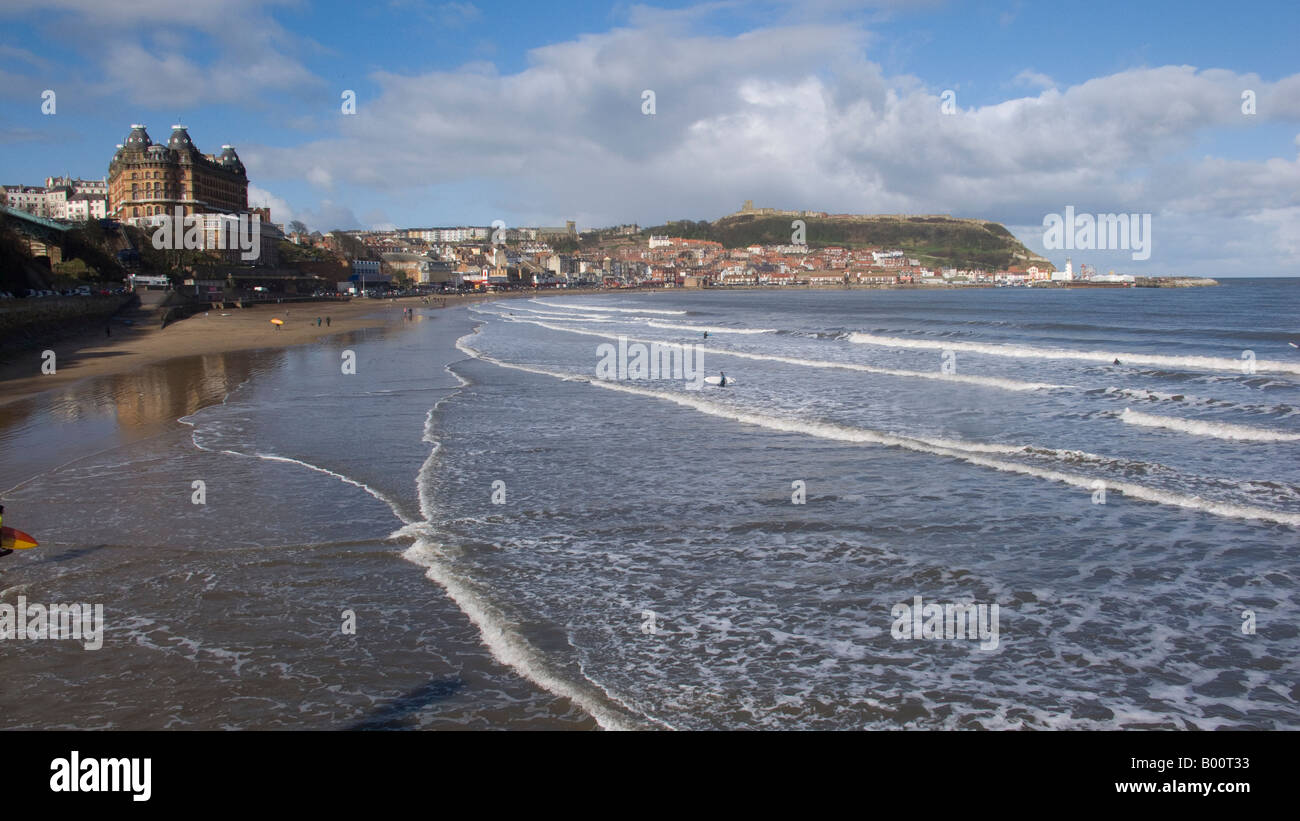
(996, 508)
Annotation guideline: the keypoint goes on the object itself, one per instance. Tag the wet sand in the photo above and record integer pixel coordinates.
(218, 331)
(131, 346)
(227, 613)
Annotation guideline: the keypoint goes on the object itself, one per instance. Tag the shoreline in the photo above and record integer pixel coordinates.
(90, 354)
(87, 354)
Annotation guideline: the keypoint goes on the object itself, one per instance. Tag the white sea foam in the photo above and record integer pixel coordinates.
(269, 457)
(972, 453)
(701, 328)
(1143, 395)
(603, 308)
(565, 318)
(503, 313)
(1218, 430)
(1212, 363)
(969, 379)
(506, 645)
(554, 315)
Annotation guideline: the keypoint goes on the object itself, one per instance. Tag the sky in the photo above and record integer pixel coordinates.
(537, 113)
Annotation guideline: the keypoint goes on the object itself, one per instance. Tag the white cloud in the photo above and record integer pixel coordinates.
(252, 53)
(795, 116)
(281, 211)
(328, 215)
(1034, 79)
(325, 215)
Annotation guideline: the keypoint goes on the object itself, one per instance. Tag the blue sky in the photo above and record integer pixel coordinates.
(531, 113)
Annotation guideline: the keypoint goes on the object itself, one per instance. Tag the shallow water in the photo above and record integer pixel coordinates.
(525, 545)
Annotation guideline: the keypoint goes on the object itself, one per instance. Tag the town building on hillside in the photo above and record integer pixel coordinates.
(748, 209)
(149, 179)
(79, 186)
(61, 198)
(570, 229)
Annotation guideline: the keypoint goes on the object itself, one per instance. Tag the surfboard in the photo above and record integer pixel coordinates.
(717, 380)
(15, 539)
(277, 321)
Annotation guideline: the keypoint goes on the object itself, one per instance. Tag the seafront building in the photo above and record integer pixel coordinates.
(148, 179)
(1064, 276)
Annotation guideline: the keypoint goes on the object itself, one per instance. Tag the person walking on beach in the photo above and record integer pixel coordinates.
(327, 322)
(317, 322)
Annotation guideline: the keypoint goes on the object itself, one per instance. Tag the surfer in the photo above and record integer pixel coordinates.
(722, 383)
(4, 551)
(706, 334)
(1116, 362)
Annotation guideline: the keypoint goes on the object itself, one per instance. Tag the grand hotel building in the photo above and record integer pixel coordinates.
(147, 179)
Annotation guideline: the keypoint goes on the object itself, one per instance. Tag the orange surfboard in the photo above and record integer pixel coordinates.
(15, 539)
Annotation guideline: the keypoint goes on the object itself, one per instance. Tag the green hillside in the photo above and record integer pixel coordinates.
(935, 240)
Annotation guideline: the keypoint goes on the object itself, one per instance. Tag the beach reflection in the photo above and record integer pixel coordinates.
(91, 415)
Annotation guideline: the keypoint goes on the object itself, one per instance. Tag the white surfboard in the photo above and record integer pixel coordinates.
(717, 380)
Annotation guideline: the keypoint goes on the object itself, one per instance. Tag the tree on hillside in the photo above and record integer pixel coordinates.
(14, 257)
(88, 243)
(352, 247)
(291, 254)
(297, 227)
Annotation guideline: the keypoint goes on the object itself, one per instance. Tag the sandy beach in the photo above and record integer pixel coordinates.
(130, 346)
